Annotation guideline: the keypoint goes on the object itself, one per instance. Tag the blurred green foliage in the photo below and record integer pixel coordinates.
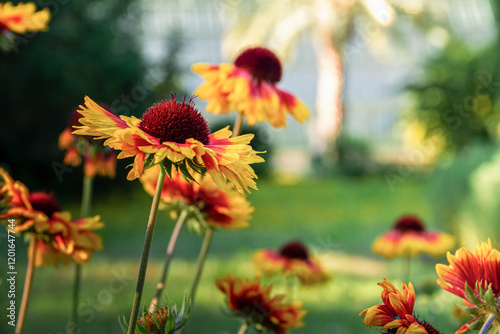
(91, 48)
(458, 97)
(353, 156)
(261, 142)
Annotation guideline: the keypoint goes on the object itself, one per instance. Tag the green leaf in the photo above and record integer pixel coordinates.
(489, 298)
(141, 329)
(476, 325)
(149, 161)
(170, 325)
(123, 324)
(166, 165)
(470, 310)
(471, 296)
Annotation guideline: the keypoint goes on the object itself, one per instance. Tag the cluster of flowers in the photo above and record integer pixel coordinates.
(172, 138)
(473, 276)
(56, 237)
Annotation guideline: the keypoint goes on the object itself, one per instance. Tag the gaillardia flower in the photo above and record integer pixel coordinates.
(98, 159)
(220, 209)
(409, 238)
(248, 86)
(253, 303)
(292, 260)
(173, 134)
(396, 315)
(23, 18)
(57, 237)
(474, 277)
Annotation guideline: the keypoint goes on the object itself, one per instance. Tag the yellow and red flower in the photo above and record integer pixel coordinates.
(173, 133)
(409, 237)
(253, 302)
(396, 315)
(23, 18)
(220, 209)
(57, 237)
(99, 160)
(292, 260)
(249, 86)
(474, 277)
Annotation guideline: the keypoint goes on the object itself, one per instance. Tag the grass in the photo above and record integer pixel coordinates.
(337, 218)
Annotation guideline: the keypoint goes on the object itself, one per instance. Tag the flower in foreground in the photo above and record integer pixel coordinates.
(98, 159)
(220, 209)
(23, 18)
(474, 277)
(409, 237)
(252, 302)
(396, 315)
(249, 86)
(175, 134)
(163, 320)
(292, 260)
(57, 237)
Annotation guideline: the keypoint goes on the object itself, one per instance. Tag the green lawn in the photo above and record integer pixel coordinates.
(337, 218)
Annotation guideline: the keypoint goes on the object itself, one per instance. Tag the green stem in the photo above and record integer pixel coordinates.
(168, 258)
(487, 324)
(237, 124)
(201, 261)
(407, 269)
(290, 284)
(84, 212)
(27, 284)
(243, 328)
(145, 252)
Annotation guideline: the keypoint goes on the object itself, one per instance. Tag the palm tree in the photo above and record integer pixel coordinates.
(280, 23)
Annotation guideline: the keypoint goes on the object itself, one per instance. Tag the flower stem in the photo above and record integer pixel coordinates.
(201, 261)
(145, 252)
(407, 269)
(84, 212)
(487, 324)
(27, 284)
(168, 258)
(243, 328)
(237, 124)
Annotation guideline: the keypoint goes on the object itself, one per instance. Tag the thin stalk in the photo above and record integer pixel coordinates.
(84, 212)
(407, 268)
(201, 261)
(27, 284)
(145, 252)
(243, 328)
(237, 124)
(290, 286)
(168, 258)
(487, 324)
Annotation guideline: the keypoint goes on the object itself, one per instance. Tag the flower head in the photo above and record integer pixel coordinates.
(409, 237)
(220, 209)
(253, 302)
(474, 277)
(23, 18)
(292, 260)
(99, 160)
(173, 134)
(396, 315)
(58, 238)
(248, 86)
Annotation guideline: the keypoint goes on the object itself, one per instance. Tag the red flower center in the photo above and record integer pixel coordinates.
(176, 122)
(409, 223)
(45, 203)
(294, 250)
(261, 62)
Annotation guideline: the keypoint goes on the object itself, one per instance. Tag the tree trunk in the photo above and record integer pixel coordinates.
(330, 34)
